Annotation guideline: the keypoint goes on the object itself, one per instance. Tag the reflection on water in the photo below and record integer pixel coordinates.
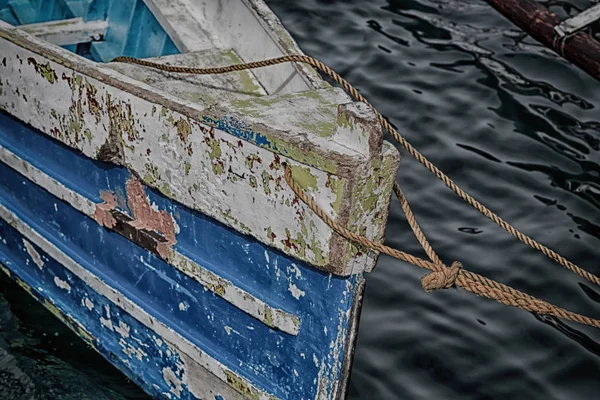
(509, 121)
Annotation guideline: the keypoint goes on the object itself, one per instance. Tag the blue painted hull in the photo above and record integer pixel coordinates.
(284, 365)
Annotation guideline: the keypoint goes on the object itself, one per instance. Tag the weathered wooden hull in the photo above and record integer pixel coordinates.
(160, 325)
(154, 220)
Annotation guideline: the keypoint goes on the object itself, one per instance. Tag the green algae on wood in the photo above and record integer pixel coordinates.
(304, 178)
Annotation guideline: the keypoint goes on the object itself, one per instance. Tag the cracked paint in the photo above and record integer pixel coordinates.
(210, 167)
(102, 214)
(122, 329)
(297, 293)
(88, 304)
(62, 284)
(145, 217)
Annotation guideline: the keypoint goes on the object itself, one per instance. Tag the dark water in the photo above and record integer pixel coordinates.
(513, 125)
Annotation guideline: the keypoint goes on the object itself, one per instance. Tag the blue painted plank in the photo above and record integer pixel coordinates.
(121, 15)
(35, 11)
(72, 48)
(135, 39)
(103, 51)
(96, 10)
(24, 11)
(7, 15)
(169, 47)
(77, 8)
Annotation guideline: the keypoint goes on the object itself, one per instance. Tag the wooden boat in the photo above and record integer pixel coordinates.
(148, 210)
(571, 37)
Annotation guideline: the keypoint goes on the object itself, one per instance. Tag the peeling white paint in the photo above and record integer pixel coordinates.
(157, 340)
(62, 284)
(183, 306)
(297, 293)
(131, 351)
(245, 301)
(294, 269)
(107, 322)
(35, 256)
(88, 304)
(123, 329)
(172, 381)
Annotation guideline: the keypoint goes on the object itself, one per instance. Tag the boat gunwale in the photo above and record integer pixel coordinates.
(345, 163)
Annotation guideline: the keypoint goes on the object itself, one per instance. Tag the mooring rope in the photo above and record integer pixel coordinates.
(441, 276)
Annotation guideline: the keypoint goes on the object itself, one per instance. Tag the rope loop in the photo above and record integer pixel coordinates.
(445, 278)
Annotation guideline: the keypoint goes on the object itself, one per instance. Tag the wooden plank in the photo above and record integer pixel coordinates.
(201, 89)
(536, 20)
(23, 11)
(308, 362)
(68, 31)
(183, 29)
(579, 21)
(77, 8)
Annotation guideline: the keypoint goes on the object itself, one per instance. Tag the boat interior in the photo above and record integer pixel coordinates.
(205, 33)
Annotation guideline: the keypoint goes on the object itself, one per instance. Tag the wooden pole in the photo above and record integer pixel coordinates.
(580, 49)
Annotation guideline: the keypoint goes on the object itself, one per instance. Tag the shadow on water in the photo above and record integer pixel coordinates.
(509, 121)
(41, 359)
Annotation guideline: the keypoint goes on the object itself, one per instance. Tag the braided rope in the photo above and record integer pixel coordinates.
(441, 276)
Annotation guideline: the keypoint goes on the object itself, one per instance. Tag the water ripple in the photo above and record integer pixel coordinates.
(513, 124)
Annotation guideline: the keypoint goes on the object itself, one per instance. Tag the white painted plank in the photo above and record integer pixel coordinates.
(68, 31)
(183, 29)
(579, 21)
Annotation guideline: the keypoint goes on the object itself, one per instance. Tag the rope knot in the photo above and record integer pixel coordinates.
(443, 279)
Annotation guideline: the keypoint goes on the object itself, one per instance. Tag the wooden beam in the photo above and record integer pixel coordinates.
(67, 31)
(536, 20)
(579, 21)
